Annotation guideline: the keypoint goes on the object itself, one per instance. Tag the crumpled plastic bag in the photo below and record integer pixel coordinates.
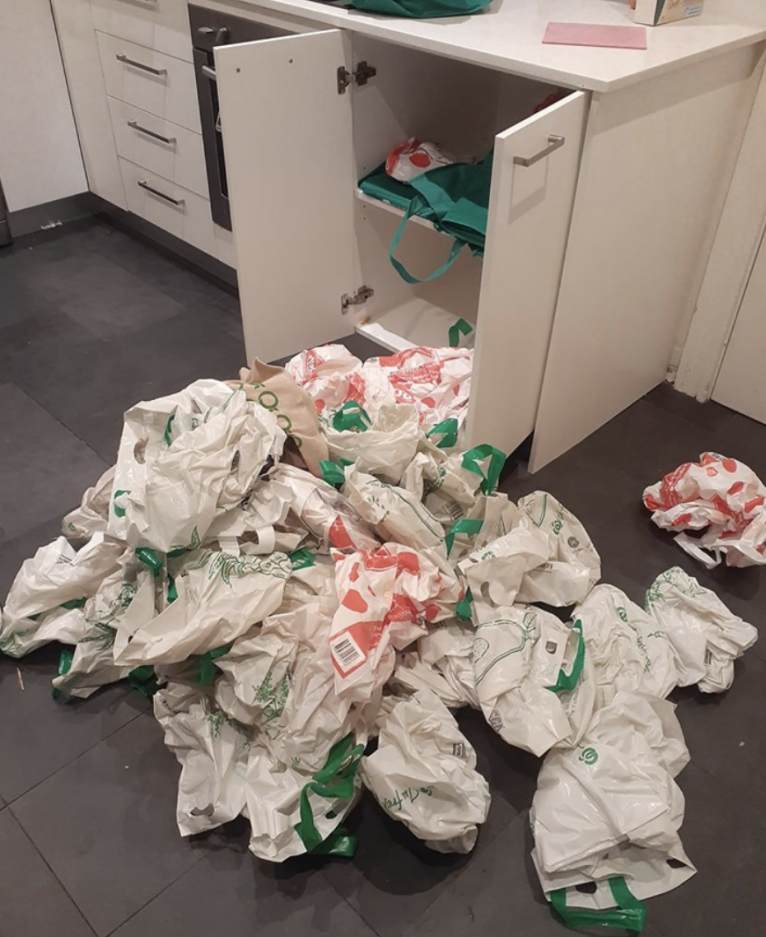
(56, 579)
(325, 512)
(186, 458)
(629, 649)
(219, 597)
(522, 658)
(387, 597)
(720, 494)
(213, 752)
(384, 446)
(394, 513)
(705, 635)
(447, 489)
(275, 390)
(436, 380)
(609, 808)
(93, 513)
(443, 662)
(573, 566)
(424, 774)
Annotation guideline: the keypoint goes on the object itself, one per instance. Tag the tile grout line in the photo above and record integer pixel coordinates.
(90, 748)
(50, 869)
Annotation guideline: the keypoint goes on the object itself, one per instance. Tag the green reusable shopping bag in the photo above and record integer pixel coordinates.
(455, 198)
(421, 9)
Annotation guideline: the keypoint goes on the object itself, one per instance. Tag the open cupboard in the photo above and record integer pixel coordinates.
(300, 130)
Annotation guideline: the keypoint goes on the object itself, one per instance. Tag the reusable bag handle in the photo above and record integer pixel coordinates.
(335, 779)
(630, 913)
(457, 246)
(568, 681)
(351, 415)
(473, 457)
(467, 525)
(447, 429)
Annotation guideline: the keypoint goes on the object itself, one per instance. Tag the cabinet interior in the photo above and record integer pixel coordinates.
(462, 107)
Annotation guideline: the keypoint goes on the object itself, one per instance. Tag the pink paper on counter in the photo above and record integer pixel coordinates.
(593, 34)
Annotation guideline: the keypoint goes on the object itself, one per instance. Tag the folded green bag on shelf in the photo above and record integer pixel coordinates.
(455, 198)
(421, 9)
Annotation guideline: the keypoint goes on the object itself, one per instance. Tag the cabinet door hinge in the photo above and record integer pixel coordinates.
(358, 298)
(359, 77)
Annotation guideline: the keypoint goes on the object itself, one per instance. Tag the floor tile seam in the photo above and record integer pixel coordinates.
(48, 866)
(61, 423)
(88, 750)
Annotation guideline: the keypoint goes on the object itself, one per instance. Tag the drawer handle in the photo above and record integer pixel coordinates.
(554, 142)
(209, 72)
(121, 57)
(178, 202)
(150, 133)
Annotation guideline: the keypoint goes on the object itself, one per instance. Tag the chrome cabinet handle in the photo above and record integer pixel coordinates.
(173, 201)
(209, 72)
(121, 57)
(554, 142)
(150, 133)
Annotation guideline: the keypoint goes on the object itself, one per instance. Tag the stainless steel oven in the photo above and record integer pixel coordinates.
(210, 29)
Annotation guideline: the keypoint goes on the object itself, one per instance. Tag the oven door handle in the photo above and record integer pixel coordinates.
(209, 72)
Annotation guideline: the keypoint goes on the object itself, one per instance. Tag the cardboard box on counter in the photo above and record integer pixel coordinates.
(657, 12)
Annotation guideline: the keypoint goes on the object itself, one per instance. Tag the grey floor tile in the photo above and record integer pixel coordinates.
(19, 301)
(39, 734)
(723, 834)
(44, 465)
(394, 877)
(33, 903)
(724, 732)
(230, 891)
(10, 561)
(106, 825)
(497, 895)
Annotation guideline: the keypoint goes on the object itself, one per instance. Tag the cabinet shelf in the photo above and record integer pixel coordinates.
(392, 209)
(414, 323)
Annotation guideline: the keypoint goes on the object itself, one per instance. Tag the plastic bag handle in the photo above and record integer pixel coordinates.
(333, 474)
(473, 457)
(351, 415)
(457, 246)
(568, 681)
(447, 429)
(461, 327)
(334, 779)
(630, 913)
(467, 525)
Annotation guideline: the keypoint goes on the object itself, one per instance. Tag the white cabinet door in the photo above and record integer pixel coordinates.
(289, 164)
(741, 384)
(529, 214)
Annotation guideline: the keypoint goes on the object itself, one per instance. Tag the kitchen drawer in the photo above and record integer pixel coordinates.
(162, 25)
(152, 81)
(167, 149)
(189, 220)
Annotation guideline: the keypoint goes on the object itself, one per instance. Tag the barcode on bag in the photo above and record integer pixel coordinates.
(346, 652)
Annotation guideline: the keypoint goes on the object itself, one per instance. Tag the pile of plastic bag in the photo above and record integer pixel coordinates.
(720, 496)
(308, 573)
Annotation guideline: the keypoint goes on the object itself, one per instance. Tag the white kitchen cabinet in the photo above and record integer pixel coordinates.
(295, 150)
(156, 24)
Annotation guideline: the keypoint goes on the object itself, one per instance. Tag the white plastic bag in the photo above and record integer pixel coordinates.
(610, 807)
(573, 566)
(721, 494)
(628, 649)
(521, 658)
(93, 513)
(396, 515)
(443, 661)
(705, 635)
(384, 448)
(213, 752)
(220, 597)
(56, 576)
(185, 459)
(424, 774)
(387, 598)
